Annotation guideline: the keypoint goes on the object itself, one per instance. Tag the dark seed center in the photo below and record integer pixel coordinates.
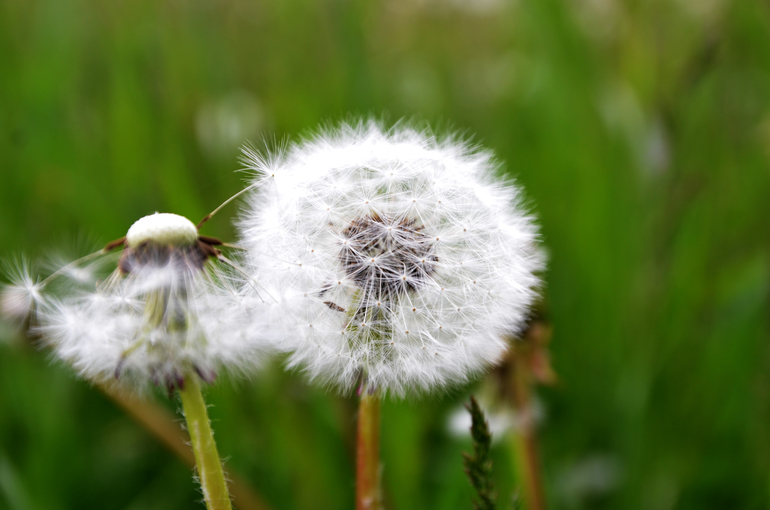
(387, 256)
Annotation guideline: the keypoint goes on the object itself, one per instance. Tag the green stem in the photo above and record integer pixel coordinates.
(210, 472)
(368, 492)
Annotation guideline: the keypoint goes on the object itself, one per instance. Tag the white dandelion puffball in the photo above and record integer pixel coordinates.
(400, 260)
(168, 311)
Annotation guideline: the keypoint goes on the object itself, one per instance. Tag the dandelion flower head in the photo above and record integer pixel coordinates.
(166, 311)
(400, 259)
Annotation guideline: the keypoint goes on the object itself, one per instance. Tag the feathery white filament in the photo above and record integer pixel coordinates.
(396, 255)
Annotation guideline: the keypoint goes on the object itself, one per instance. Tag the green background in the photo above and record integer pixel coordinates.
(640, 130)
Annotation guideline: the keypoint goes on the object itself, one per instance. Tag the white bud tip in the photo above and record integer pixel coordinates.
(164, 229)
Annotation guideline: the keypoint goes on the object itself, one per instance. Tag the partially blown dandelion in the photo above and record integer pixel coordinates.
(163, 314)
(167, 314)
(400, 259)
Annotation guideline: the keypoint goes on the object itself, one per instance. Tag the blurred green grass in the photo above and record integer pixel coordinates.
(640, 130)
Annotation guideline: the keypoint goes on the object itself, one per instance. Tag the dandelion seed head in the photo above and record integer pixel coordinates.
(414, 270)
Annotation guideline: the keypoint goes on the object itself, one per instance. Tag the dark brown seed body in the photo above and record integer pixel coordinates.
(334, 306)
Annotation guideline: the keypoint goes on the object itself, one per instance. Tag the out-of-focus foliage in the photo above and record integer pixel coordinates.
(640, 130)
(478, 467)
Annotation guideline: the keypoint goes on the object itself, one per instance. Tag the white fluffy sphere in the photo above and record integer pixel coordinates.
(397, 259)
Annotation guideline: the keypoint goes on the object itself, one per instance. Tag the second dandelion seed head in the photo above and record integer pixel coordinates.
(167, 312)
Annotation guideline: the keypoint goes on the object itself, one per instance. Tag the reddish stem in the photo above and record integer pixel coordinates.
(526, 436)
(368, 492)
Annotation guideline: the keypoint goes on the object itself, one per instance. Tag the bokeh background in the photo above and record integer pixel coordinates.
(639, 128)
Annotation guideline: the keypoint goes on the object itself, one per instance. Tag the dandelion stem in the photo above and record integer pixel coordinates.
(368, 492)
(160, 423)
(525, 437)
(210, 472)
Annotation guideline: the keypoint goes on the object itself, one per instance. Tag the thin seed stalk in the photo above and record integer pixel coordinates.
(212, 478)
(368, 490)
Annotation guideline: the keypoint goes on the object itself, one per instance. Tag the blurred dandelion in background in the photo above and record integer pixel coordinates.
(222, 124)
(588, 480)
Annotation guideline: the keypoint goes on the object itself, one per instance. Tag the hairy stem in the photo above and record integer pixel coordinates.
(368, 492)
(210, 472)
(525, 437)
(161, 424)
